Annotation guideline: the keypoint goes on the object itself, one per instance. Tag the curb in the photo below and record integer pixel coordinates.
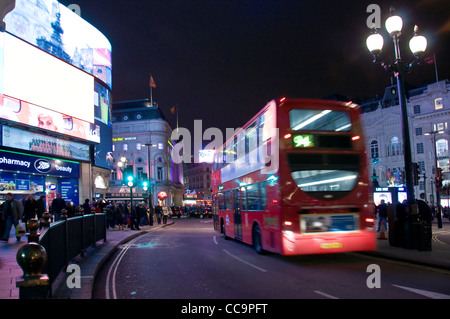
(388, 256)
(91, 263)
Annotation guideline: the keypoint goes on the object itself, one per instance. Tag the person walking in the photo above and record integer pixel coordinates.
(86, 207)
(12, 213)
(119, 216)
(30, 209)
(158, 212)
(58, 204)
(165, 213)
(40, 207)
(382, 215)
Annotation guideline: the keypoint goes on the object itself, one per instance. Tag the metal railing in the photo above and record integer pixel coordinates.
(66, 239)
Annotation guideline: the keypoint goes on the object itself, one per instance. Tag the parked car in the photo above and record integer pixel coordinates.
(176, 212)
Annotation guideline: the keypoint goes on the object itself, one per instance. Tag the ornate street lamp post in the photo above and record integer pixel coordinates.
(417, 45)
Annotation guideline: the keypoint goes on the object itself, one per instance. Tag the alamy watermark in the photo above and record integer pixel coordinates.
(374, 279)
(250, 148)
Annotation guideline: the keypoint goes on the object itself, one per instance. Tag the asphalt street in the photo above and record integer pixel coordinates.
(189, 260)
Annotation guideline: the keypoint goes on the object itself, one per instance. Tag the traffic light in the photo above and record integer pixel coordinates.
(130, 180)
(145, 186)
(416, 173)
(439, 177)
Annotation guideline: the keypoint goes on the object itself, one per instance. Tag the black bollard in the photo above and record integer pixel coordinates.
(31, 258)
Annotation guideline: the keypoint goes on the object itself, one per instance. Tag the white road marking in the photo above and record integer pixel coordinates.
(325, 295)
(245, 262)
(429, 294)
(215, 240)
(114, 266)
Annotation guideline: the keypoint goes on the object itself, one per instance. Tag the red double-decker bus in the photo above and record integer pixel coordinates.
(294, 180)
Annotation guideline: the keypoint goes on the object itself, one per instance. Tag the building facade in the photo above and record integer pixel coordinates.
(142, 138)
(429, 120)
(55, 103)
(197, 183)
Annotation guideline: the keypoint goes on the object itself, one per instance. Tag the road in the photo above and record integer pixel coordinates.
(189, 260)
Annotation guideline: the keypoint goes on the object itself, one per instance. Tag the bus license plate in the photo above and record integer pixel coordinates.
(331, 245)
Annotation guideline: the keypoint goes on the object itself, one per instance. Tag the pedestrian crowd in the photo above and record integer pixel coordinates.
(119, 214)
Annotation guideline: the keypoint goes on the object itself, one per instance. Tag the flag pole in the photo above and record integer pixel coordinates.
(151, 96)
(435, 68)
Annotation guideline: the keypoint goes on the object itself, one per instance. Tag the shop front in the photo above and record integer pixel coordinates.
(24, 174)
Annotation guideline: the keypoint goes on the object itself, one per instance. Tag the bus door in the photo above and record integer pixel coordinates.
(237, 214)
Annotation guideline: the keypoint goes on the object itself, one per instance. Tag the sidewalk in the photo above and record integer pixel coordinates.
(439, 257)
(96, 256)
(89, 264)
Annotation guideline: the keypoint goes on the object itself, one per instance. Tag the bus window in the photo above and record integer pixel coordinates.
(253, 198)
(319, 120)
(251, 139)
(227, 200)
(263, 195)
(244, 198)
(221, 201)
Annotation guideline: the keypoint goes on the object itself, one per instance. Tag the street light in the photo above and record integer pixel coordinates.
(437, 176)
(150, 205)
(374, 42)
(129, 178)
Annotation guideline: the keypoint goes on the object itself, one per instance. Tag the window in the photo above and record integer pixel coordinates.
(420, 148)
(160, 172)
(421, 185)
(418, 131)
(440, 126)
(441, 148)
(319, 120)
(421, 166)
(438, 104)
(228, 200)
(221, 201)
(125, 147)
(138, 146)
(253, 197)
(139, 173)
(374, 149)
(395, 145)
(114, 175)
(251, 140)
(416, 109)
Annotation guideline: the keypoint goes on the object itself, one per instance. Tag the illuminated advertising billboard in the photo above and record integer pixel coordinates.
(36, 116)
(102, 104)
(30, 141)
(54, 28)
(206, 156)
(31, 75)
(103, 155)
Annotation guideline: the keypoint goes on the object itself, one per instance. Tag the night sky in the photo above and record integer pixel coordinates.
(222, 61)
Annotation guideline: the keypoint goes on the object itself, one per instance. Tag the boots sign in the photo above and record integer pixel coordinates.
(19, 162)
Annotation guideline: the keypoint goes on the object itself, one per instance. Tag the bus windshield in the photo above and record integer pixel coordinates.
(325, 180)
(319, 120)
(324, 172)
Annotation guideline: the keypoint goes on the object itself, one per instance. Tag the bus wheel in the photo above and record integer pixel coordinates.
(222, 226)
(257, 240)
